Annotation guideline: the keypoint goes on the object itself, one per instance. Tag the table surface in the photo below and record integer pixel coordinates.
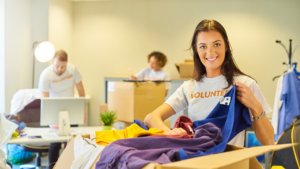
(49, 136)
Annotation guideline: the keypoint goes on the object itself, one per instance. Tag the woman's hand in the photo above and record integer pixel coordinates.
(176, 131)
(262, 127)
(132, 78)
(245, 95)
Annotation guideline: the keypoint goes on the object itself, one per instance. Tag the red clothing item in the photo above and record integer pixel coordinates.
(182, 122)
(186, 124)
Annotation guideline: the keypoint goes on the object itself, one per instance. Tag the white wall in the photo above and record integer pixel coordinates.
(2, 60)
(40, 32)
(18, 45)
(25, 22)
(110, 36)
(60, 25)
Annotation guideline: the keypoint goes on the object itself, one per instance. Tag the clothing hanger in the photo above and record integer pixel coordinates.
(295, 64)
(280, 75)
(295, 68)
(290, 54)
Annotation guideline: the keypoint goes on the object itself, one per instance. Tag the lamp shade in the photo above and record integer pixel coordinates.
(44, 51)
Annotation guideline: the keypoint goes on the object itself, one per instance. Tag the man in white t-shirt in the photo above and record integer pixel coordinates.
(58, 80)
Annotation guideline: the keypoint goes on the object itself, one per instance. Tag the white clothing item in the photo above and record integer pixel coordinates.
(22, 98)
(85, 153)
(277, 103)
(93, 136)
(59, 86)
(201, 97)
(149, 74)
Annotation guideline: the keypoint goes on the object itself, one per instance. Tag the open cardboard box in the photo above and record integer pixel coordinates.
(233, 158)
(185, 69)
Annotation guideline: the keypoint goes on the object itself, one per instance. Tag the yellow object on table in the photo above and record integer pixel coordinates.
(15, 134)
(105, 137)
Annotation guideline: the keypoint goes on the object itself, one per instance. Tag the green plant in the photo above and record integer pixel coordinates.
(108, 117)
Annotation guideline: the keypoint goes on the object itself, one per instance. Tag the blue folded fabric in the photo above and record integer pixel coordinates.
(231, 119)
(21, 125)
(139, 123)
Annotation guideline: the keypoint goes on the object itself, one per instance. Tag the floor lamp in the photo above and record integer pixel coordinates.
(43, 52)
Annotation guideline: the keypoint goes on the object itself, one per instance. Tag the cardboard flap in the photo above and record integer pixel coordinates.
(185, 69)
(66, 159)
(254, 164)
(177, 66)
(188, 61)
(224, 159)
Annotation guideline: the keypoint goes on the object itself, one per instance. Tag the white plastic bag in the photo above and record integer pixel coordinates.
(6, 130)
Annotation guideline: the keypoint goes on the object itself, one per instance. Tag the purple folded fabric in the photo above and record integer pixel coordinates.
(135, 153)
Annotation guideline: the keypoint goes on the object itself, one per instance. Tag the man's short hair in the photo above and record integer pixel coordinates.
(61, 55)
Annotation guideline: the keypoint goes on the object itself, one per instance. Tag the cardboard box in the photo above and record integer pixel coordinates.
(103, 108)
(233, 158)
(134, 100)
(185, 69)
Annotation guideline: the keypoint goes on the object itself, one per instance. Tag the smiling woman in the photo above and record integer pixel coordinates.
(215, 74)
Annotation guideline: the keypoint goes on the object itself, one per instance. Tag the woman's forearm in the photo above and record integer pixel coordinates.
(156, 118)
(263, 129)
(154, 121)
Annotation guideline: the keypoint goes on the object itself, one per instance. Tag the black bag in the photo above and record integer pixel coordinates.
(289, 157)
